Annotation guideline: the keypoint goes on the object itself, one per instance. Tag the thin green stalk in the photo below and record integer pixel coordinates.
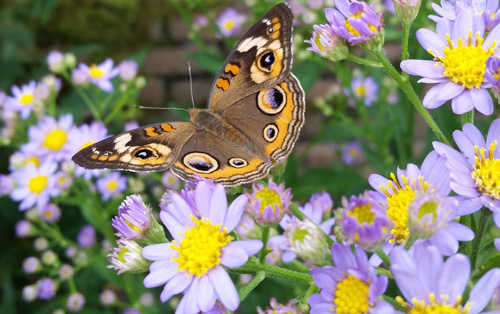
(468, 117)
(265, 237)
(394, 303)
(90, 104)
(369, 63)
(476, 243)
(404, 49)
(302, 306)
(251, 285)
(300, 215)
(467, 221)
(253, 266)
(383, 257)
(410, 92)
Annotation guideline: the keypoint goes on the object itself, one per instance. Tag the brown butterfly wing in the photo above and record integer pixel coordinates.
(150, 148)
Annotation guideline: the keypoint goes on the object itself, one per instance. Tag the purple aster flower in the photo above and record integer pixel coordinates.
(351, 286)
(488, 9)
(23, 228)
(6, 184)
(459, 63)
(75, 302)
(130, 125)
(351, 153)
(127, 257)
(79, 76)
(389, 6)
(356, 21)
(131, 311)
(200, 20)
(86, 236)
(31, 265)
(474, 170)
(229, 22)
(196, 269)
(101, 74)
(365, 89)
(492, 73)
(50, 138)
(110, 185)
(362, 221)
(406, 10)
(128, 70)
(55, 61)
(248, 228)
(134, 218)
(50, 213)
(327, 44)
(276, 308)
(428, 283)
(278, 245)
(147, 299)
(34, 185)
(268, 203)
(170, 181)
(63, 180)
(29, 293)
(46, 289)
(397, 194)
(42, 91)
(66, 272)
(22, 100)
(107, 297)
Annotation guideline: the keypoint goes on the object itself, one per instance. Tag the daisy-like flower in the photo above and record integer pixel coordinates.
(50, 213)
(229, 22)
(75, 302)
(487, 8)
(147, 299)
(55, 61)
(170, 181)
(31, 265)
(492, 73)
(41, 244)
(460, 53)
(22, 100)
(407, 10)
(29, 293)
(66, 272)
(268, 204)
(351, 286)
(86, 236)
(276, 308)
(23, 228)
(35, 185)
(362, 221)
(429, 284)
(50, 138)
(6, 184)
(110, 185)
(128, 70)
(101, 74)
(46, 289)
(79, 76)
(248, 228)
(192, 263)
(356, 21)
(398, 192)
(351, 153)
(127, 257)
(327, 44)
(107, 297)
(475, 170)
(364, 89)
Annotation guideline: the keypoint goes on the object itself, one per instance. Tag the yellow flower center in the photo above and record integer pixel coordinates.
(112, 185)
(268, 197)
(48, 214)
(134, 227)
(421, 307)
(351, 296)
(397, 204)
(487, 171)
(360, 91)
(352, 30)
(55, 139)
(26, 99)
(200, 250)
(37, 184)
(95, 72)
(229, 25)
(300, 234)
(362, 213)
(34, 160)
(465, 64)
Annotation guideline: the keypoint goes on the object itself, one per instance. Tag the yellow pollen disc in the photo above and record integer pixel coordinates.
(37, 184)
(360, 91)
(421, 307)
(200, 250)
(353, 153)
(466, 63)
(487, 171)
(26, 99)
(112, 185)
(48, 215)
(34, 160)
(362, 214)
(229, 25)
(55, 139)
(351, 296)
(398, 199)
(268, 197)
(95, 72)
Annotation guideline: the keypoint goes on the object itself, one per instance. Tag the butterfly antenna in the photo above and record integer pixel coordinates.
(161, 108)
(191, 83)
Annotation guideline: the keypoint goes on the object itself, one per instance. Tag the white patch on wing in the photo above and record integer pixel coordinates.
(121, 143)
(251, 42)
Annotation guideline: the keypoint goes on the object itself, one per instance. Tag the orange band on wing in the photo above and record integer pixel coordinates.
(233, 68)
(223, 84)
(167, 127)
(150, 132)
(282, 121)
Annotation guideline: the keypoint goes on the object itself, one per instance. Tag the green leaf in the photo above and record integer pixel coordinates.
(308, 72)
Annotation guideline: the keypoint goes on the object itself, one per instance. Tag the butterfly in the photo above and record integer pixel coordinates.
(254, 115)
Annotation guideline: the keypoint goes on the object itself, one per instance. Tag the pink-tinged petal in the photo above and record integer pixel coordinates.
(462, 26)
(465, 144)
(323, 278)
(218, 205)
(430, 41)
(497, 243)
(494, 134)
(203, 197)
(423, 68)
(464, 190)
(468, 206)
(455, 275)
(322, 308)
(105, 86)
(449, 91)
(233, 257)
(207, 298)
(177, 284)
(234, 212)
(433, 81)
(288, 256)
(342, 256)
(430, 101)
(174, 226)
(445, 242)
(482, 292)
(158, 265)
(492, 204)
(180, 209)
(157, 252)
(493, 35)
(482, 101)
(460, 232)
(224, 288)
(496, 218)
(408, 284)
(314, 299)
(382, 307)
(474, 134)
(454, 160)
(462, 103)
(449, 14)
(342, 6)
(431, 265)
(160, 276)
(435, 172)
(376, 181)
(190, 298)
(251, 247)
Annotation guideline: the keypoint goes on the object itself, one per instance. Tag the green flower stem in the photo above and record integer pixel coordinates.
(383, 271)
(265, 237)
(468, 117)
(383, 256)
(394, 303)
(410, 92)
(251, 285)
(253, 267)
(404, 42)
(369, 63)
(300, 215)
(90, 104)
(303, 306)
(476, 243)
(467, 221)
